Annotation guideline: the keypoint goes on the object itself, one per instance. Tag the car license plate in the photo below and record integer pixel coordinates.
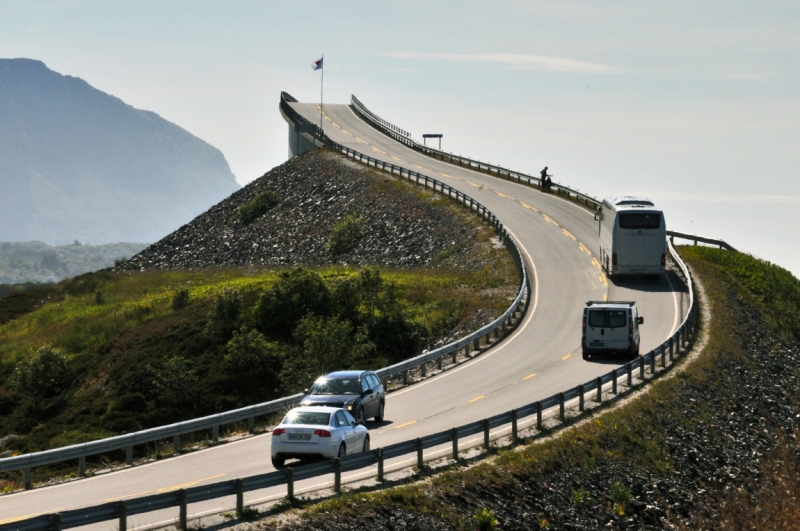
(299, 436)
(597, 343)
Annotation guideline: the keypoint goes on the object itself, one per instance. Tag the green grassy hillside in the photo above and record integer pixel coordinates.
(104, 353)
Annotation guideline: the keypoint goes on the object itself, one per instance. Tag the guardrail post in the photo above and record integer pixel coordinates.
(641, 368)
(27, 479)
(423, 372)
(176, 444)
(380, 465)
(123, 515)
(439, 363)
(671, 349)
(539, 416)
(514, 432)
(454, 357)
(599, 390)
(215, 434)
(337, 475)
(614, 381)
(290, 483)
(183, 509)
(476, 344)
(129, 455)
(56, 521)
(405, 377)
(580, 398)
(561, 413)
(663, 356)
(629, 368)
(486, 434)
(454, 435)
(251, 425)
(82, 466)
(239, 497)
(652, 363)
(420, 461)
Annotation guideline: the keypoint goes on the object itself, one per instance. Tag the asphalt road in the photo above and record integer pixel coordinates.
(541, 357)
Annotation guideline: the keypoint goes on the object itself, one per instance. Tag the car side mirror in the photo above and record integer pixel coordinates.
(305, 391)
(367, 392)
(640, 320)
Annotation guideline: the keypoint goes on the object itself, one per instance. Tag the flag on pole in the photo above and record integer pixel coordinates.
(317, 65)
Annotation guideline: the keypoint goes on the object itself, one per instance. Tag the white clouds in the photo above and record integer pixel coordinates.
(519, 61)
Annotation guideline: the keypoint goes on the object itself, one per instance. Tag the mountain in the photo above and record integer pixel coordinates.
(77, 163)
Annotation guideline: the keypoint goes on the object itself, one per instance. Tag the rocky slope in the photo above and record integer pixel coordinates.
(316, 190)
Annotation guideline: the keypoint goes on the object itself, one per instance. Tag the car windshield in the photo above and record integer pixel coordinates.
(307, 417)
(336, 386)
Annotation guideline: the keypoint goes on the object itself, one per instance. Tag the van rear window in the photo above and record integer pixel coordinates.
(640, 220)
(607, 318)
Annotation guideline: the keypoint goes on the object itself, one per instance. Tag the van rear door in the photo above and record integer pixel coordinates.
(607, 329)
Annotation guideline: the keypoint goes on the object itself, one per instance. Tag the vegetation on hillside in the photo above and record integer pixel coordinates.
(104, 353)
(22, 262)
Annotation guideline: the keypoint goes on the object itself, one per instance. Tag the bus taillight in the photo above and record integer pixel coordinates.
(613, 258)
(663, 259)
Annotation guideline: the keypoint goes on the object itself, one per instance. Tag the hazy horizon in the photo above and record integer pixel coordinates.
(693, 104)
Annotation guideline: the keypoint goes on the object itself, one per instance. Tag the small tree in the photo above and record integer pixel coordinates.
(224, 318)
(254, 363)
(181, 299)
(174, 381)
(327, 342)
(345, 234)
(44, 375)
(297, 293)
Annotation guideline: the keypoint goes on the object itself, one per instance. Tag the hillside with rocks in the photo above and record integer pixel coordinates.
(399, 227)
(77, 163)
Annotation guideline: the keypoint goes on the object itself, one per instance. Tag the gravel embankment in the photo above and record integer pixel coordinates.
(403, 226)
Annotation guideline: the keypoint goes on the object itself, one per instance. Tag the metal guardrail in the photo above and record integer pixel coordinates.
(390, 130)
(695, 238)
(677, 344)
(212, 422)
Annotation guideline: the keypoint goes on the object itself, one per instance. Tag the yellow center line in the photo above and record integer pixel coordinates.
(18, 518)
(604, 280)
(404, 425)
(596, 263)
(449, 176)
(378, 150)
(166, 489)
(346, 132)
(526, 205)
(476, 399)
(565, 357)
(326, 117)
(605, 296)
(421, 167)
(549, 219)
(397, 158)
(568, 234)
(582, 247)
(529, 376)
(362, 141)
(472, 184)
(336, 125)
(501, 194)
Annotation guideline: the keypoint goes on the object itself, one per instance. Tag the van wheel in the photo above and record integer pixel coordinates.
(277, 462)
(586, 355)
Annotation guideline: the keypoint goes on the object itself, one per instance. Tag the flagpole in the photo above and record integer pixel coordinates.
(321, 78)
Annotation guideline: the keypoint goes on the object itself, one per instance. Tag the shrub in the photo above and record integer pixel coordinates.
(345, 234)
(43, 375)
(296, 293)
(99, 296)
(180, 299)
(254, 364)
(256, 208)
(174, 381)
(326, 340)
(620, 493)
(224, 318)
(485, 519)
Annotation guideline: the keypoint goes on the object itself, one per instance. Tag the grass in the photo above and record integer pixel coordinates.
(629, 441)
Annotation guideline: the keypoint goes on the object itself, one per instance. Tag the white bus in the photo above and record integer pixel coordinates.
(633, 236)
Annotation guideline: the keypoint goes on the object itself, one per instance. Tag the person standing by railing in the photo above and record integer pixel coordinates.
(546, 180)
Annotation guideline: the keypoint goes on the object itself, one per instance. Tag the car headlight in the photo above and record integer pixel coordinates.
(349, 406)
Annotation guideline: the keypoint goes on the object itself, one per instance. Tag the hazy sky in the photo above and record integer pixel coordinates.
(695, 104)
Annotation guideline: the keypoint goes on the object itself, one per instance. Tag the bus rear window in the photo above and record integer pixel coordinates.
(640, 220)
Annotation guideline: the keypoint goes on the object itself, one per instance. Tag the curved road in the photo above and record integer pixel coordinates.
(542, 356)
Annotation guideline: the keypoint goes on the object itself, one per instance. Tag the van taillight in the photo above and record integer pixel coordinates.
(322, 433)
(613, 258)
(278, 432)
(663, 259)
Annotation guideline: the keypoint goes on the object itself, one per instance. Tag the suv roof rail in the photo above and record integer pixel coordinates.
(629, 303)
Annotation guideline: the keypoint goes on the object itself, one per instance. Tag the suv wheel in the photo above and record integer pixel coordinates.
(379, 416)
(361, 418)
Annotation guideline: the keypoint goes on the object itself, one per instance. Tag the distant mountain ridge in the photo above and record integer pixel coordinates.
(77, 163)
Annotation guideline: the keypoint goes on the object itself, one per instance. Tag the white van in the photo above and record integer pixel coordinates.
(610, 327)
(633, 236)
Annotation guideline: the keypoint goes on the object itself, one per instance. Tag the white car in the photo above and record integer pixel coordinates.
(313, 432)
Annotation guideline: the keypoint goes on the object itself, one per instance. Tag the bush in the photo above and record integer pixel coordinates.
(43, 375)
(254, 364)
(485, 519)
(256, 208)
(174, 381)
(296, 293)
(345, 234)
(180, 299)
(326, 341)
(224, 318)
